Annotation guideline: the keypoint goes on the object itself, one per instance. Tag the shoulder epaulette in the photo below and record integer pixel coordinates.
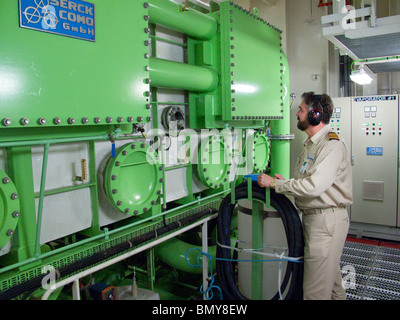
(333, 136)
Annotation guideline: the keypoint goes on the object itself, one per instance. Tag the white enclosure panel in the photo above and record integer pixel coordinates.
(64, 214)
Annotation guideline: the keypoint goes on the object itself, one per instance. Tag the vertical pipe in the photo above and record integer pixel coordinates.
(280, 149)
(76, 295)
(19, 161)
(257, 231)
(41, 198)
(204, 240)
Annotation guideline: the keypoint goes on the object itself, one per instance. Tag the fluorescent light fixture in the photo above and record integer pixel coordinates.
(361, 77)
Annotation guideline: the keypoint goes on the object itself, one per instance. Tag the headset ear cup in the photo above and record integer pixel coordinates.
(314, 117)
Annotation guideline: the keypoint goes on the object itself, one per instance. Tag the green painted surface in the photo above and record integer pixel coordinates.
(170, 74)
(280, 149)
(48, 76)
(9, 208)
(213, 165)
(190, 21)
(175, 253)
(251, 52)
(132, 179)
(261, 151)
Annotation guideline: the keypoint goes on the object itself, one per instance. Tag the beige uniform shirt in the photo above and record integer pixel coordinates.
(323, 176)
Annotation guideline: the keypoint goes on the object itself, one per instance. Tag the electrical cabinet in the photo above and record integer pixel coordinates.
(375, 158)
(369, 126)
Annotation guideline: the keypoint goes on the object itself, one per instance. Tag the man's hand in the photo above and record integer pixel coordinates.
(264, 180)
(279, 177)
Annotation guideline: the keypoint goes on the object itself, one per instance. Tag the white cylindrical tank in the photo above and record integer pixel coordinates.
(274, 242)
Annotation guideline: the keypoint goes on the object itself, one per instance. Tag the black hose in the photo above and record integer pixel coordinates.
(294, 235)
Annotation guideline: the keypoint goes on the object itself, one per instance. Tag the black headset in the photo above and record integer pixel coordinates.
(315, 115)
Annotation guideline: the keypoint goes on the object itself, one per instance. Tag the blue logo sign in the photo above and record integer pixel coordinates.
(374, 151)
(71, 18)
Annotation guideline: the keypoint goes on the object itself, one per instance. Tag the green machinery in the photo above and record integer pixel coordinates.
(61, 90)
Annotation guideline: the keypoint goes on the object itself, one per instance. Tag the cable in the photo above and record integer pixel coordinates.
(294, 234)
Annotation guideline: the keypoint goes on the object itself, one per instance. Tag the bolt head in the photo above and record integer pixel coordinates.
(139, 119)
(147, 18)
(117, 163)
(114, 191)
(6, 180)
(136, 212)
(15, 214)
(24, 121)
(153, 202)
(85, 120)
(10, 232)
(97, 120)
(14, 196)
(130, 119)
(126, 210)
(71, 120)
(113, 177)
(42, 121)
(109, 119)
(119, 203)
(6, 122)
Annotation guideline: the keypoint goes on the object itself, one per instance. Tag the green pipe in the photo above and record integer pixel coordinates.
(280, 149)
(66, 189)
(101, 236)
(51, 141)
(41, 198)
(191, 22)
(173, 253)
(171, 74)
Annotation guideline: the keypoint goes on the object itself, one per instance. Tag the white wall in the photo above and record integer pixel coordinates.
(308, 56)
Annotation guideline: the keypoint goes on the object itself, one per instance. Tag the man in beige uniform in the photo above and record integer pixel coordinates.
(322, 187)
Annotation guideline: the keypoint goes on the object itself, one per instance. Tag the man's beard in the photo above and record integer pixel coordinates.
(302, 125)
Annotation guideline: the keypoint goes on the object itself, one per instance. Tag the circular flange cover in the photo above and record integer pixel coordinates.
(261, 152)
(213, 162)
(9, 208)
(133, 179)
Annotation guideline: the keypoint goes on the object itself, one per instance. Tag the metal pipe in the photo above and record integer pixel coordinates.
(191, 22)
(280, 149)
(171, 74)
(173, 253)
(41, 198)
(52, 141)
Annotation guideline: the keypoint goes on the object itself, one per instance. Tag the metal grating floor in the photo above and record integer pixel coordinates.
(376, 270)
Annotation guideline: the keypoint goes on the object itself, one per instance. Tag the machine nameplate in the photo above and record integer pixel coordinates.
(72, 18)
(374, 151)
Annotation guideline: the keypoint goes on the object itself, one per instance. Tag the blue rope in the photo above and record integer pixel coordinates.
(211, 286)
